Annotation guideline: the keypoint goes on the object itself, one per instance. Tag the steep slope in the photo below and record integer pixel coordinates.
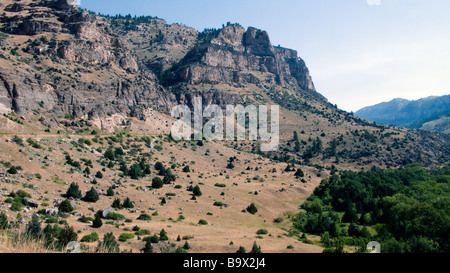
(58, 60)
(411, 114)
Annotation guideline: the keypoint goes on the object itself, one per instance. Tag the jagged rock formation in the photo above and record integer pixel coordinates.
(83, 47)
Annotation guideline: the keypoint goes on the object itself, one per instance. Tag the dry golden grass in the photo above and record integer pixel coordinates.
(18, 241)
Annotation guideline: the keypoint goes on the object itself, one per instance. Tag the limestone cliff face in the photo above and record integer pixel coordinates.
(75, 62)
(237, 56)
(86, 70)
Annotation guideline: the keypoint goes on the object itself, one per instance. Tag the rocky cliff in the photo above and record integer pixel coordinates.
(62, 60)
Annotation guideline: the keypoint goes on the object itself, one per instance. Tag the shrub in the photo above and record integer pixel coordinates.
(144, 217)
(142, 232)
(12, 170)
(262, 232)
(218, 204)
(202, 222)
(93, 237)
(125, 236)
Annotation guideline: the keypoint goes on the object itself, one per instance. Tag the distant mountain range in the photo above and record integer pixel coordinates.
(430, 114)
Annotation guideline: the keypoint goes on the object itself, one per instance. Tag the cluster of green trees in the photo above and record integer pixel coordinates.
(406, 210)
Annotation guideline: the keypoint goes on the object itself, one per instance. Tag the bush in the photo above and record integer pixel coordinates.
(262, 232)
(125, 236)
(202, 222)
(93, 237)
(144, 217)
(12, 170)
(142, 232)
(218, 204)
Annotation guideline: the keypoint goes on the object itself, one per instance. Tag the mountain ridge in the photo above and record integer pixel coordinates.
(411, 113)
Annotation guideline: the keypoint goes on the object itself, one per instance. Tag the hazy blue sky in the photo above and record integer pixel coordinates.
(358, 54)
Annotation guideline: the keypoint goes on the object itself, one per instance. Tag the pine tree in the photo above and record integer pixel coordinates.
(91, 196)
(186, 246)
(67, 235)
(163, 235)
(116, 204)
(241, 250)
(110, 191)
(148, 248)
(299, 173)
(97, 222)
(157, 183)
(73, 191)
(128, 204)
(252, 209)
(99, 175)
(34, 227)
(255, 248)
(196, 191)
(65, 206)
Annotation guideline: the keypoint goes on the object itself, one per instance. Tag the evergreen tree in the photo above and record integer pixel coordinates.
(97, 222)
(255, 249)
(186, 246)
(241, 250)
(65, 206)
(67, 235)
(196, 191)
(34, 226)
(148, 248)
(252, 209)
(163, 235)
(91, 196)
(127, 203)
(99, 175)
(186, 169)
(116, 204)
(73, 191)
(157, 183)
(299, 173)
(110, 191)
